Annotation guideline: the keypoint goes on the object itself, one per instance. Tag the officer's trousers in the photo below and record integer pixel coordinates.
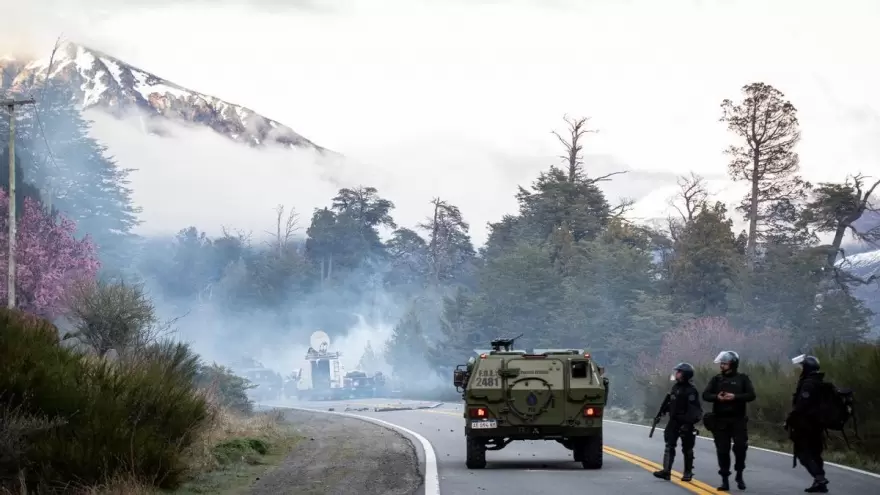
(808, 447)
(673, 431)
(727, 431)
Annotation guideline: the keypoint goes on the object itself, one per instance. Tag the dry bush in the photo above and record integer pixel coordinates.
(114, 318)
(122, 485)
(227, 424)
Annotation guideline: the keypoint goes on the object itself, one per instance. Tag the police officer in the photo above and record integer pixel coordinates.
(729, 391)
(684, 411)
(803, 424)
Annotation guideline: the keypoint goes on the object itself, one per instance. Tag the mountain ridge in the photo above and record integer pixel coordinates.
(100, 80)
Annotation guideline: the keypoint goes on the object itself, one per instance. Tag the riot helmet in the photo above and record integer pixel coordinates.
(687, 371)
(807, 362)
(731, 358)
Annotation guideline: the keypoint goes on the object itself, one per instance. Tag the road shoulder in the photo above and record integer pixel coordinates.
(341, 455)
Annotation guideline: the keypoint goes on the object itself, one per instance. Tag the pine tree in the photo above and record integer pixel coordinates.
(75, 175)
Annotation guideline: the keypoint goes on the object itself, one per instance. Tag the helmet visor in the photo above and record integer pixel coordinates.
(798, 360)
(723, 357)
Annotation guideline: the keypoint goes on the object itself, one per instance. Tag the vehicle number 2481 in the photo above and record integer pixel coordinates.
(488, 378)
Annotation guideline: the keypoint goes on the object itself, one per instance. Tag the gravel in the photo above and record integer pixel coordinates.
(342, 456)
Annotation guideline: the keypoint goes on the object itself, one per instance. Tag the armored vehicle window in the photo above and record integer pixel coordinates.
(579, 369)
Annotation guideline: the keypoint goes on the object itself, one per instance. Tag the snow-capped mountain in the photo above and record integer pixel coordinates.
(865, 265)
(101, 81)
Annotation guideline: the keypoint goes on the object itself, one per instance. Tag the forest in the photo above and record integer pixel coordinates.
(568, 269)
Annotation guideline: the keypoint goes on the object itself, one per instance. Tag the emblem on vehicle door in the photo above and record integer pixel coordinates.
(532, 399)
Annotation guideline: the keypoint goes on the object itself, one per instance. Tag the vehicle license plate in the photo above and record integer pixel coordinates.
(481, 425)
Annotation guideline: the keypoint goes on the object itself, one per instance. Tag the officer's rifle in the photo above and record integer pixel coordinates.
(664, 408)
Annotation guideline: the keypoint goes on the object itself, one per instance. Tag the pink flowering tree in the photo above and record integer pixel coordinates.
(49, 259)
(698, 341)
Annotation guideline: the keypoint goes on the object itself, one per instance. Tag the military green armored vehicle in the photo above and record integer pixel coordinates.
(552, 395)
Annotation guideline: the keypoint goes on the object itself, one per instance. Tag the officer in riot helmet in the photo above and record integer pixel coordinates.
(729, 391)
(803, 423)
(684, 412)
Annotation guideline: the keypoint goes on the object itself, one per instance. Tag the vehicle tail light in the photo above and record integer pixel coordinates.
(592, 411)
(478, 412)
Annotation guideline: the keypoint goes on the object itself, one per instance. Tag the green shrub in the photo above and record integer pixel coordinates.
(137, 419)
(247, 449)
(854, 366)
(229, 389)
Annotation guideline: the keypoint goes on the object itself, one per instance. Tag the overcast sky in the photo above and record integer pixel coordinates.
(377, 79)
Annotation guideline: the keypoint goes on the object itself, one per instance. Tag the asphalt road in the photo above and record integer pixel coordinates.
(547, 467)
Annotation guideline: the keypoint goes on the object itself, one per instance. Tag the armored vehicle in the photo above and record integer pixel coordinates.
(513, 395)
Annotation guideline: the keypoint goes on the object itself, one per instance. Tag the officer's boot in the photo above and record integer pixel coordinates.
(725, 483)
(740, 483)
(688, 473)
(819, 486)
(820, 483)
(666, 472)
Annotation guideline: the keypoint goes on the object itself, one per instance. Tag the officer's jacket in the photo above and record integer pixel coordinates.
(684, 404)
(736, 383)
(805, 400)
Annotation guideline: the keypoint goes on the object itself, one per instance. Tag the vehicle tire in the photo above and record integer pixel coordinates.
(591, 452)
(475, 458)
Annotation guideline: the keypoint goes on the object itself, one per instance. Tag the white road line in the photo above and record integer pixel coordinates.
(432, 480)
(839, 466)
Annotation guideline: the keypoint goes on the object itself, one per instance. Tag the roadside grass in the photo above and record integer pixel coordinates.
(237, 451)
(228, 458)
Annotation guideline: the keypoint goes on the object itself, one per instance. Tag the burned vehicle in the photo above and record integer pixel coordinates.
(358, 384)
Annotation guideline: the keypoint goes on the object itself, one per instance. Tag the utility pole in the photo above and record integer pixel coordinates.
(10, 275)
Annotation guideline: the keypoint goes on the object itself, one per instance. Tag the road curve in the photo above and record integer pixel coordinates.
(547, 467)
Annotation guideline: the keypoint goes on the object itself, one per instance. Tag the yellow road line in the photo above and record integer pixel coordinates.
(694, 486)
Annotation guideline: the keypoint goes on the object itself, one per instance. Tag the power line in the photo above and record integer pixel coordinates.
(49, 155)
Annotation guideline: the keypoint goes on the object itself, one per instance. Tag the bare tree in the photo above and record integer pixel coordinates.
(285, 228)
(768, 127)
(692, 195)
(573, 147)
(574, 160)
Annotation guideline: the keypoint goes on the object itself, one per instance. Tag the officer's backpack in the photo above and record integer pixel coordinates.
(836, 408)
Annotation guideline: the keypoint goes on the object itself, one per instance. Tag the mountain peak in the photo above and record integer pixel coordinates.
(101, 81)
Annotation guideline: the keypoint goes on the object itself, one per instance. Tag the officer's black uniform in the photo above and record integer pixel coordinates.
(684, 411)
(803, 424)
(729, 418)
